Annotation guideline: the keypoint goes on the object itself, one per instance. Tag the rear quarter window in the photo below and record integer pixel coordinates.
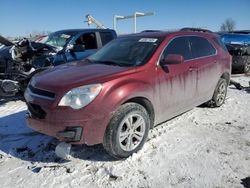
(201, 47)
(220, 43)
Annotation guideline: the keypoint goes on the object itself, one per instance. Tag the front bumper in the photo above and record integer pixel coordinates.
(88, 132)
(64, 132)
(83, 126)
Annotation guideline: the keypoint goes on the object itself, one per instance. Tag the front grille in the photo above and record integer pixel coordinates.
(41, 92)
(36, 111)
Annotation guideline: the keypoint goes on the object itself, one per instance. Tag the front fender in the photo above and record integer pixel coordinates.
(129, 89)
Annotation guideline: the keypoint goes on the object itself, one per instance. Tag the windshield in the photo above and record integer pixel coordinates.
(127, 51)
(58, 39)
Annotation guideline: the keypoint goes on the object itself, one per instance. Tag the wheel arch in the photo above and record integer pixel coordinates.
(226, 76)
(147, 105)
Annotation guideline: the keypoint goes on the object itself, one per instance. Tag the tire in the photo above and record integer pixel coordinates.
(219, 95)
(248, 50)
(247, 65)
(120, 134)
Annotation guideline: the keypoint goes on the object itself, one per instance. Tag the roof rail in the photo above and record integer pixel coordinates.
(196, 29)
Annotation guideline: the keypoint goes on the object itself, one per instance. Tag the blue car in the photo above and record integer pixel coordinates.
(76, 44)
(238, 45)
(20, 61)
(236, 38)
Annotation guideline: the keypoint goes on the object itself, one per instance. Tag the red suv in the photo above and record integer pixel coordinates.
(132, 84)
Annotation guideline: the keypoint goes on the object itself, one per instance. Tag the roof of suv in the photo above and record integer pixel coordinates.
(166, 33)
(81, 30)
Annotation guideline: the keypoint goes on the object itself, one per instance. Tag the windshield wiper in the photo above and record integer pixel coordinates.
(107, 62)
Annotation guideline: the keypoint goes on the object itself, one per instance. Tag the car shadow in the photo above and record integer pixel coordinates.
(247, 90)
(4, 100)
(246, 182)
(18, 140)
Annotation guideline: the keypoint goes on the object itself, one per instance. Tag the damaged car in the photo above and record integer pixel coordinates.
(20, 61)
(130, 85)
(238, 45)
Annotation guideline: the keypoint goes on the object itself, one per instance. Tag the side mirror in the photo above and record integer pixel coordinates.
(172, 59)
(77, 48)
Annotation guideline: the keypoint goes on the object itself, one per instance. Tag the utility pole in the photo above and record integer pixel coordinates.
(134, 16)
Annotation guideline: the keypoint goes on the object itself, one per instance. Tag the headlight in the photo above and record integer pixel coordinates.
(81, 96)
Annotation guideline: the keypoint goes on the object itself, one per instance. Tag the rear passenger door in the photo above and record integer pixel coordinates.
(177, 82)
(205, 55)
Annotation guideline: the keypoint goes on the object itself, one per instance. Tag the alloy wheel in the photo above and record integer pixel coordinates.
(131, 131)
(222, 89)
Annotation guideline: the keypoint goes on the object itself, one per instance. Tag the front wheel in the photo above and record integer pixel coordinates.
(127, 130)
(219, 95)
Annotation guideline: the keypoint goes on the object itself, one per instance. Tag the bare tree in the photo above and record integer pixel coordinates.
(228, 25)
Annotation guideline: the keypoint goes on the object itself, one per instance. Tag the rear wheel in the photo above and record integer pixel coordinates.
(219, 95)
(127, 130)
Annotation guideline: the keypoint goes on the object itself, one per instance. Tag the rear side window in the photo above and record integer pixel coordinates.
(201, 47)
(106, 37)
(178, 46)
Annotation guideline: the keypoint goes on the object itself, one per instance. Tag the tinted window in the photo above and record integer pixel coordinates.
(201, 47)
(220, 43)
(178, 46)
(106, 37)
(88, 40)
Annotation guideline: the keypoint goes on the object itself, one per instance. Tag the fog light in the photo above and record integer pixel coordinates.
(71, 134)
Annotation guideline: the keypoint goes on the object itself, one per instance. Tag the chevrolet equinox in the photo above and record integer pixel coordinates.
(130, 85)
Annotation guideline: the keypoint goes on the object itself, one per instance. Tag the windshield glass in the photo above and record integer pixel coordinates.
(58, 39)
(127, 51)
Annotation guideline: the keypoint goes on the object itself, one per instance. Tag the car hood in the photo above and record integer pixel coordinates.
(70, 75)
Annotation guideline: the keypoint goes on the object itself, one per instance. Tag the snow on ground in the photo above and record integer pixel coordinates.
(205, 147)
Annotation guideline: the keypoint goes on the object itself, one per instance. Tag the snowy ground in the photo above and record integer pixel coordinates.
(201, 148)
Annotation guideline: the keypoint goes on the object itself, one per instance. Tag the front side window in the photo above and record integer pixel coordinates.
(178, 46)
(88, 40)
(201, 47)
(127, 51)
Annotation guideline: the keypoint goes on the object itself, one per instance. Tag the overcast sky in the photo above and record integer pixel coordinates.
(20, 17)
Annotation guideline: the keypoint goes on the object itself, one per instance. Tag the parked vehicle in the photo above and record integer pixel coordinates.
(132, 84)
(238, 45)
(20, 61)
